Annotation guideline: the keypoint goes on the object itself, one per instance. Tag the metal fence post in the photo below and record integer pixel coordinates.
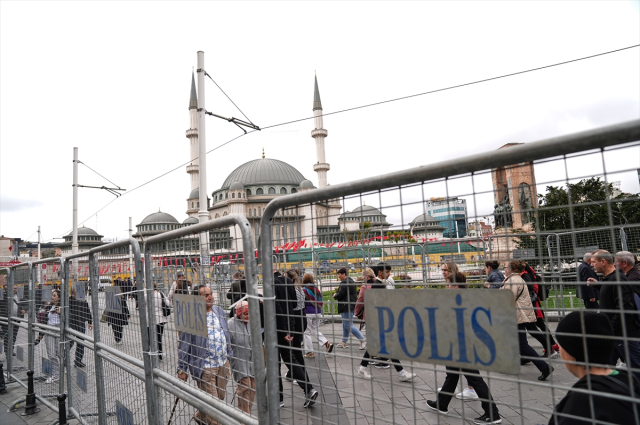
(64, 322)
(95, 307)
(148, 334)
(65, 279)
(30, 317)
(9, 335)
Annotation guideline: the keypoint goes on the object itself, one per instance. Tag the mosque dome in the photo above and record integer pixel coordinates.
(264, 171)
(306, 184)
(85, 231)
(195, 194)
(424, 219)
(190, 220)
(159, 217)
(236, 185)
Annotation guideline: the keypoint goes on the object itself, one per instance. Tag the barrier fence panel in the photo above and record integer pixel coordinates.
(190, 374)
(16, 338)
(436, 307)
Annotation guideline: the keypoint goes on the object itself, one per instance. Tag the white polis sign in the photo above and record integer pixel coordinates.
(465, 328)
(113, 302)
(190, 314)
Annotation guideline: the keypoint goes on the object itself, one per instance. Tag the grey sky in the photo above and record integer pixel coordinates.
(112, 78)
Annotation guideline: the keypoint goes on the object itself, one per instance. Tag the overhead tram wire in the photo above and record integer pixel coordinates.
(80, 162)
(234, 104)
(366, 106)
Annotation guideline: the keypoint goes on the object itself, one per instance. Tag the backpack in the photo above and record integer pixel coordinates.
(166, 311)
(313, 294)
(543, 290)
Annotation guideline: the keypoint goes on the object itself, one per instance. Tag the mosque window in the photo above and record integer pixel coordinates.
(225, 213)
(248, 192)
(259, 191)
(259, 211)
(226, 195)
(254, 212)
(283, 191)
(249, 212)
(294, 190)
(233, 195)
(272, 191)
(154, 227)
(192, 205)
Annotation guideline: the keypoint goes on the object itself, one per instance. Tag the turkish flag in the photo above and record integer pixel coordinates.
(277, 251)
(184, 262)
(165, 261)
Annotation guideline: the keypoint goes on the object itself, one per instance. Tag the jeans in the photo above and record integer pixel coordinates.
(634, 355)
(347, 326)
(527, 350)
(313, 323)
(478, 384)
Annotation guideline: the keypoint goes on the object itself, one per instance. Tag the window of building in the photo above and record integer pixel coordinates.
(226, 195)
(294, 190)
(254, 212)
(259, 191)
(233, 195)
(272, 191)
(259, 211)
(249, 212)
(198, 204)
(192, 205)
(283, 191)
(248, 192)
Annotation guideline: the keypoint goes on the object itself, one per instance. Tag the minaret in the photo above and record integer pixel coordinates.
(192, 135)
(319, 133)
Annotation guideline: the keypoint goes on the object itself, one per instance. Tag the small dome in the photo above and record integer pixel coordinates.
(159, 217)
(85, 231)
(236, 185)
(306, 184)
(191, 220)
(424, 218)
(195, 194)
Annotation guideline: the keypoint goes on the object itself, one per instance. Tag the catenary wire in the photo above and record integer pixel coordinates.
(80, 162)
(369, 105)
(234, 104)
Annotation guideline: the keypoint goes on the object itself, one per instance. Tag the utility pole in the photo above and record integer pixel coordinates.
(130, 253)
(74, 239)
(203, 214)
(39, 268)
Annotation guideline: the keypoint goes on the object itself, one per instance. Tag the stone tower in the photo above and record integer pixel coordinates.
(321, 167)
(193, 202)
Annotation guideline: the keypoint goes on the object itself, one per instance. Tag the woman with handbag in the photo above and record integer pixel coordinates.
(541, 332)
(313, 310)
(525, 315)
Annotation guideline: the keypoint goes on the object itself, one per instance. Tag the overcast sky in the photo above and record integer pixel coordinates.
(113, 79)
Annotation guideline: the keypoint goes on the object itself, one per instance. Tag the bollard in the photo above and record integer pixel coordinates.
(30, 408)
(62, 410)
(3, 386)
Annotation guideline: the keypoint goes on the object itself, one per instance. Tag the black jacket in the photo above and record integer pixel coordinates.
(79, 313)
(606, 409)
(286, 301)
(610, 300)
(585, 272)
(347, 296)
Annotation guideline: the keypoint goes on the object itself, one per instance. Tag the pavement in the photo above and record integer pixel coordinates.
(344, 398)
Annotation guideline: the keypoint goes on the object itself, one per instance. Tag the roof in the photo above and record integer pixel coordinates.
(236, 185)
(422, 218)
(193, 100)
(306, 184)
(85, 231)
(264, 171)
(195, 194)
(363, 211)
(159, 217)
(317, 104)
(191, 220)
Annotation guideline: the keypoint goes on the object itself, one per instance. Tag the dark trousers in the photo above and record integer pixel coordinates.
(527, 350)
(296, 369)
(117, 331)
(5, 331)
(298, 336)
(633, 362)
(539, 331)
(395, 362)
(591, 305)
(478, 384)
(80, 347)
(159, 333)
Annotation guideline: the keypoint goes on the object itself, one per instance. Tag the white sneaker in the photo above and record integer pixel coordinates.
(364, 373)
(406, 376)
(467, 394)
(363, 344)
(51, 380)
(342, 345)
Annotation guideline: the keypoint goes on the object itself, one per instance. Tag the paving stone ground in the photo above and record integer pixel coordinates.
(344, 399)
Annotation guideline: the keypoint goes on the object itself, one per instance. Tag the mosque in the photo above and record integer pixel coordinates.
(252, 185)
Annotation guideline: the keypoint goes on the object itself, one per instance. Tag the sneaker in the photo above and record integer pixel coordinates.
(78, 364)
(282, 404)
(363, 344)
(382, 365)
(548, 371)
(329, 347)
(373, 360)
(556, 347)
(288, 377)
(406, 376)
(486, 419)
(309, 355)
(364, 373)
(294, 382)
(342, 345)
(311, 398)
(434, 406)
(52, 379)
(467, 394)
(621, 365)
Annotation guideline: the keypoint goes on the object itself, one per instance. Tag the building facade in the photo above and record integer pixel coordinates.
(450, 213)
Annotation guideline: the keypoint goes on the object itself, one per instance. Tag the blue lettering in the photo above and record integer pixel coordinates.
(178, 313)
(483, 336)
(434, 338)
(462, 347)
(200, 318)
(382, 330)
(419, 332)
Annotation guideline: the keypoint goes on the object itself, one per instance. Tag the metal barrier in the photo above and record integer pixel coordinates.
(378, 213)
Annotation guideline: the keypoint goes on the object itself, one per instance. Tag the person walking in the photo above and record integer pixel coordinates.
(525, 316)
(614, 299)
(540, 332)
(445, 394)
(625, 262)
(179, 286)
(494, 276)
(206, 358)
(382, 363)
(369, 278)
(286, 301)
(118, 320)
(313, 310)
(79, 316)
(347, 298)
(160, 305)
(51, 342)
(598, 384)
(242, 359)
(300, 317)
(587, 293)
(17, 310)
